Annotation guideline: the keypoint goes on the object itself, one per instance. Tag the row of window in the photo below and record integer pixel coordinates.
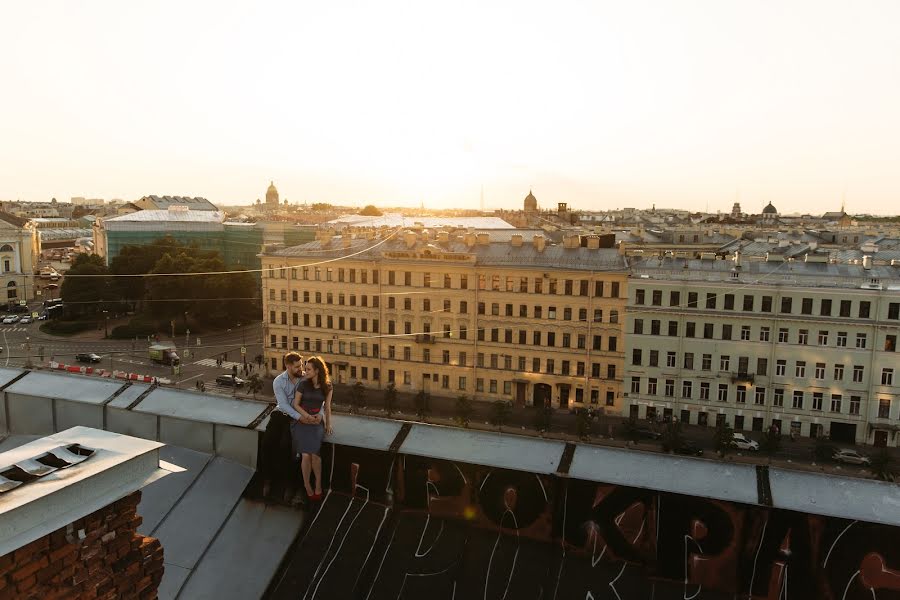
(497, 283)
(764, 334)
(716, 301)
(482, 360)
(762, 366)
(758, 395)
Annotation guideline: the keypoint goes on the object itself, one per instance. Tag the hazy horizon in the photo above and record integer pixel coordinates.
(603, 105)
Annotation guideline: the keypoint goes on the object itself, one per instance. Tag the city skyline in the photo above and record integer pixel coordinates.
(600, 106)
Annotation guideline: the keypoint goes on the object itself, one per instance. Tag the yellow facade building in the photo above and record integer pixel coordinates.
(495, 316)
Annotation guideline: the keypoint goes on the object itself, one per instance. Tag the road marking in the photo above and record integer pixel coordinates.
(188, 378)
(211, 362)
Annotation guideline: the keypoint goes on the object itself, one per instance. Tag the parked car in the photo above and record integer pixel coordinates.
(689, 448)
(851, 457)
(647, 433)
(88, 357)
(229, 380)
(18, 308)
(11, 319)
(741, 442)
(26, 320)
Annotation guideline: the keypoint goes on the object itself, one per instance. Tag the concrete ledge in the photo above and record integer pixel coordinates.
(119, 466)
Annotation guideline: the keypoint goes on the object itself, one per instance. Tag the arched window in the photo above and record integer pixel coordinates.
(6, 248)
(11, 291)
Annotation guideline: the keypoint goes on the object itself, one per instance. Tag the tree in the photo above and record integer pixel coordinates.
(823, 451)
(673, 436)
(722, 438)
(254, 385)
(499, 414)
(422, 408)
(357, 396)
(543, 418)
(883, 465)
(771, 441)
(320, 207)
(83, 295)
(370, 211)
(390, 399)
(463, 410)
(630, 429)
(583, 423)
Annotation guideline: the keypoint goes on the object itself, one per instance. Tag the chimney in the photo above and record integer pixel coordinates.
(571, 240)
(410, 238)
(443, 237)
(346, 240)
(737, 259)
(867, 262)
(469, 239)
(516, 240)
(593, 242)
(81, 519)
(484, 239)
(539, 242)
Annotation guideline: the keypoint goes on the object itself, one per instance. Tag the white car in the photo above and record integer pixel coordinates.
(11, 319)
(26, 320)
(741, 442)
(851, 457)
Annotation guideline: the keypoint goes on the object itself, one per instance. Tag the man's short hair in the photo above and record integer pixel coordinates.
(291, 357)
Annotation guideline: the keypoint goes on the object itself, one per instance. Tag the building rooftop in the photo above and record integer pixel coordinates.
(494, 253)
(164, 202)
(398, 220)
(188, 216)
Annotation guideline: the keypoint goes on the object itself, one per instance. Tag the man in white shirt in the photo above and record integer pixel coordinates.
(276, 445)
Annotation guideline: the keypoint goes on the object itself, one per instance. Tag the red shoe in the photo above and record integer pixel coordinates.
(315, 497)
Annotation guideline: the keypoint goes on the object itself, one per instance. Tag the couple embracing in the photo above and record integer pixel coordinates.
(302, 414)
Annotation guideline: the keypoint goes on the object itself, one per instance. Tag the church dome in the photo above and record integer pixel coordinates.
(770, 210)
(272, 194)
(530, 202)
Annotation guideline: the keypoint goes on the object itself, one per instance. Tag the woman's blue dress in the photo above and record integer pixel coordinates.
(307, 439)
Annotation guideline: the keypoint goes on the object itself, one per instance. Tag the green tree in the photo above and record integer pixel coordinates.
(83, 295)
(254, 385)
(357, 396)
(883, 465)
(722, 438)
(422, 407)
(673, 436)
(320, 207)
(390, 399)
(463, 410)
(370, 211)
(583, 423)
(499, 414)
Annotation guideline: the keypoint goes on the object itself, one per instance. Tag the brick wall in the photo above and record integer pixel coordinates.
(99, 556)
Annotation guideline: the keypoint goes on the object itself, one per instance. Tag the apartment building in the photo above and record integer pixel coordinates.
(807, 346)
(495, 316)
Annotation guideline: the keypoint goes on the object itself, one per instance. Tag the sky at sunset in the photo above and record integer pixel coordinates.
(601, 104)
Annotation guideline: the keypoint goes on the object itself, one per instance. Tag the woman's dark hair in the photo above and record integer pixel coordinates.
(321, 369)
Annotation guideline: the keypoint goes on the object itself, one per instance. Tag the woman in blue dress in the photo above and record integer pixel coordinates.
(312, 399)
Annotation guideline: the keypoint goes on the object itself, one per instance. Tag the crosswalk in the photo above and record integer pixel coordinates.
(6, 328)
(227, 365)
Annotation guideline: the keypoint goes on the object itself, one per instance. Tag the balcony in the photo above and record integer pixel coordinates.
(425, 338)
(742, 378)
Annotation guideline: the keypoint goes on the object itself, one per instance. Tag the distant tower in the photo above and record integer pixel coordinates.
(736, 210)
(531, 205)
(272, 197)
(769, 213)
